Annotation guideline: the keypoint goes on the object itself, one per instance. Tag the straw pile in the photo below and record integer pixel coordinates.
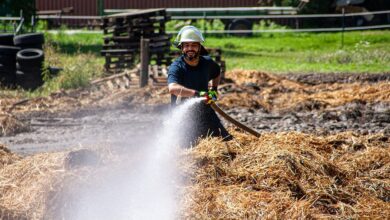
(6, 157)
(252, 89)
(31, 188)
(10, 125)
(26, 185)
(280, 94)
(284, 175)
(288, 176)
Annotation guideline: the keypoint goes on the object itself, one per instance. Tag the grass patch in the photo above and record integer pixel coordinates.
(75, 43)
(307, 52)
(78, 70)
(363, 52)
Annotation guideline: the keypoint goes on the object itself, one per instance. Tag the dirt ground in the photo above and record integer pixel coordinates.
(343, 116)
(311, 103)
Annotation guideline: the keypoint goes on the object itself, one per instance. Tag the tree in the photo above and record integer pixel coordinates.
(13, 8)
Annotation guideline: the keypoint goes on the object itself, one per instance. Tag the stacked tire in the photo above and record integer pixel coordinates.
(25, 41)
(7, 59)
(29, 68)
(29, 60)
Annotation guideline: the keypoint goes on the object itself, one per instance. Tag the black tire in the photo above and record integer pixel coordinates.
(31, 75)
(35, 38)
(29, 68)
(8, 61)
(54, 71)
(8, 50)
(30, 58)
(360, 21)
(7, 39)
(8, 55)
(241, 24)
(31, 46)
(7, 76)
(28, 81)
(4, 68)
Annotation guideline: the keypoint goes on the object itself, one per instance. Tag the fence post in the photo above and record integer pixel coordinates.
(144, 73)
(343, 28)
(32, 23)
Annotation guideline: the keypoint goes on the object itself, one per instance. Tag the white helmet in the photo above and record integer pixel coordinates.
(189, 34)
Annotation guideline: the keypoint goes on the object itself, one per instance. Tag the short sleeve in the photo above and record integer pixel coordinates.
(173, 73)
(215, 70)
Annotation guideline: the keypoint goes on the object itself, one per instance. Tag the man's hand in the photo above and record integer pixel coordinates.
(211, 96)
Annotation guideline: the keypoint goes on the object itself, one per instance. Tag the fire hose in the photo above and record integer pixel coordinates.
(233, 121)
(211, 98)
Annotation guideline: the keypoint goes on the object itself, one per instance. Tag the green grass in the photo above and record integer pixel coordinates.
(79, 57)
(362, 52)
(307, 52)
(76, 43)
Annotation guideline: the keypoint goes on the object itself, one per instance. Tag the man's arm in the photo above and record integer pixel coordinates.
(179, 90)
(215, 82)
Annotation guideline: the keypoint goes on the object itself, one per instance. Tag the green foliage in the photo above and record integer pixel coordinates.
(360, 54)
(203, 25)
(78, 69)
(75, 43)
(293, 3)
(41, 25)
(13, 8)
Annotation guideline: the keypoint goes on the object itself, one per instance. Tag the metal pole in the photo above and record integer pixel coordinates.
(144, 73)
(32, 23)
(204, 22)
(343, 28)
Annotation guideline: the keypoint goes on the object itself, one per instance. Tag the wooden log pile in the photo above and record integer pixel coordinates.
(123, 33)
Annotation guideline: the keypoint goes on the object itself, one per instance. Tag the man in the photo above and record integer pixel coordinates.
(189, 76)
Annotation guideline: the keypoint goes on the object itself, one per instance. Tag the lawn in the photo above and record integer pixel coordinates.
(308, 52)
(362, 51)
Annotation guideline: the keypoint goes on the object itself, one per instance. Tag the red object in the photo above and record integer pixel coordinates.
(89, 7)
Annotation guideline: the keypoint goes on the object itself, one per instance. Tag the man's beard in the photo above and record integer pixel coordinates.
(192, 57)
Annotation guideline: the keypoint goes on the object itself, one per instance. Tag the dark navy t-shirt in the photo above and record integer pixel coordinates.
(193, 77)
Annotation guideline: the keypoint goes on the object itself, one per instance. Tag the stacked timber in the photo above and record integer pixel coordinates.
(123, 33)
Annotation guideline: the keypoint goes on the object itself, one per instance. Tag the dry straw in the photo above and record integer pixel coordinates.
(277, 176)
(275, 93)
(288, 175)
(36, 187)
(10, 125)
